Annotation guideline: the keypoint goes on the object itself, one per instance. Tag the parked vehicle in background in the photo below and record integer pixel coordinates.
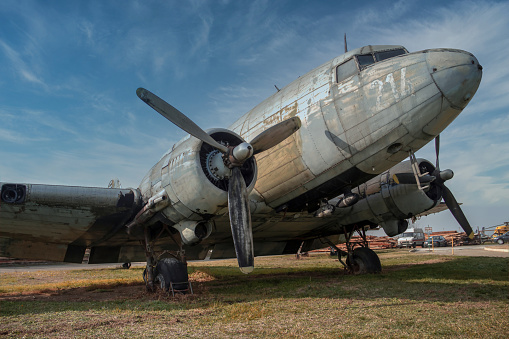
(502, 238)
(436, 241)
(412, 237)
(500, 230)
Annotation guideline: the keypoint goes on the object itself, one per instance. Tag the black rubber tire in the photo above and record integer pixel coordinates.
(500, 241)
(365, 260)
(172, 270)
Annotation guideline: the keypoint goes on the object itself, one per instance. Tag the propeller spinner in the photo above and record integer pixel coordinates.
(234, 158)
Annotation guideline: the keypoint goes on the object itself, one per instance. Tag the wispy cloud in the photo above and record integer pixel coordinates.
(20, 66)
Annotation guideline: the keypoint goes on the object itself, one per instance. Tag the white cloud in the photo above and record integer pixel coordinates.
(19, 65)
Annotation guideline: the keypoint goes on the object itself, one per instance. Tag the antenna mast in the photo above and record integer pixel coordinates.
(346, 48)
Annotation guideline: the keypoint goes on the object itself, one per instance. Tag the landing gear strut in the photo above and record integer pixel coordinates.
(170, 272)
(359, 260)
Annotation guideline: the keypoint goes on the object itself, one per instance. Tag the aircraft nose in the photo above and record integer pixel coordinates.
(456, 73)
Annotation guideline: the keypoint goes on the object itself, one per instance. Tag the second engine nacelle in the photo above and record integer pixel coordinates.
(389, 204)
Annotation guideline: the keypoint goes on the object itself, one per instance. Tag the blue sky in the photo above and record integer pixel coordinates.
(69, 113)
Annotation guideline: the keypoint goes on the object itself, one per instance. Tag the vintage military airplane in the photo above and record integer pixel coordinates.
(307, 167)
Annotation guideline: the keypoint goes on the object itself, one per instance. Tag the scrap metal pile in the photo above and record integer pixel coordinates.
(384, 242)
(459, 238)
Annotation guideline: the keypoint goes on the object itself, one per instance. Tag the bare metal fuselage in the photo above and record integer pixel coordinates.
(351, 131)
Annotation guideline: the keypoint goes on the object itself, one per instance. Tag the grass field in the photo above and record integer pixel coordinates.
(417, 295)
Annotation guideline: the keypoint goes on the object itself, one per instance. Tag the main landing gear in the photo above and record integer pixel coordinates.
(168, 272)
(359, 260)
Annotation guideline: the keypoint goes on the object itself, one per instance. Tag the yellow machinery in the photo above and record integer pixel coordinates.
(499, 230)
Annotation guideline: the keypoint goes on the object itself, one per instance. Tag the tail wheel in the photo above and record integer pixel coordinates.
(364, 260)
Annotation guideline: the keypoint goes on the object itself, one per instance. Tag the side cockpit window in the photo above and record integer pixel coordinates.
(345, 70)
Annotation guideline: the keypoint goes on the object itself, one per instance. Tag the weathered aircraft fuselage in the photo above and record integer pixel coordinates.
(360, 113)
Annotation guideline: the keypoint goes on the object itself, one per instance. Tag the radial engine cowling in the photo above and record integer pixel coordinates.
(196, 179)
(386, 203)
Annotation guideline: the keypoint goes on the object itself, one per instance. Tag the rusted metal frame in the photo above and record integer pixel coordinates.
(152, 259)
(339, 251)
(180, 253)
(190, 287)
(351, 246)
(415, 168)
(299, 251)
(149, 253)
(361, 231)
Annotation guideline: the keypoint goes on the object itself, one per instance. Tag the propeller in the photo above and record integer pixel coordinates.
(449, 199)
(177, 117)
(234, 158)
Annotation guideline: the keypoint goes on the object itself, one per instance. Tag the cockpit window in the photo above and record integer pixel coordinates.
(360, 62)
(365, 60)
(388, 54)
(345, 70)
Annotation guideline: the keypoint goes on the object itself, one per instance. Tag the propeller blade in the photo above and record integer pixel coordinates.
(409, 178)
(240, 221)
(437, 151)
(456, 211)
(275, 134)
(178, 118)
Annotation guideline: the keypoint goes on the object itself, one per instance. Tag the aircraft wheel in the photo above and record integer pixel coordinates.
(364, 260)
(500, 241)
(172, 270)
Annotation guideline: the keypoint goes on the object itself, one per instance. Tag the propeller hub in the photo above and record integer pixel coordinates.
(243, 152)
(446, 174)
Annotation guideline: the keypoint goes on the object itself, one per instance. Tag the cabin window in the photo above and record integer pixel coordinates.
(388, 54)
(365, 60)
(345, 70)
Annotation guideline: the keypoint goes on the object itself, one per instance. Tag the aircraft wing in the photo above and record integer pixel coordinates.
(51, 222)
(438, 208)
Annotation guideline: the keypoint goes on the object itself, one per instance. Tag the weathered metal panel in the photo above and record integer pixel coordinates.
(62, 214)
(18, 248)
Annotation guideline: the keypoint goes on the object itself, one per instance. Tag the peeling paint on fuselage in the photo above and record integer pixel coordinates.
(344, 125)
(347, 127)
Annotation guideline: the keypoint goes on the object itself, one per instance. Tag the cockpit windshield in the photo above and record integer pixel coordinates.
(365, 60)
(379, 56)
(361, 61)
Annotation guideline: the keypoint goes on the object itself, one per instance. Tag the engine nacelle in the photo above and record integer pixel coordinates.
(394, 227)
(195, 178)
(389, 204)
(192, 232)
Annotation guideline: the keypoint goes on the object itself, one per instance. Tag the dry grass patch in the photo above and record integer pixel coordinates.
(309, 298)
